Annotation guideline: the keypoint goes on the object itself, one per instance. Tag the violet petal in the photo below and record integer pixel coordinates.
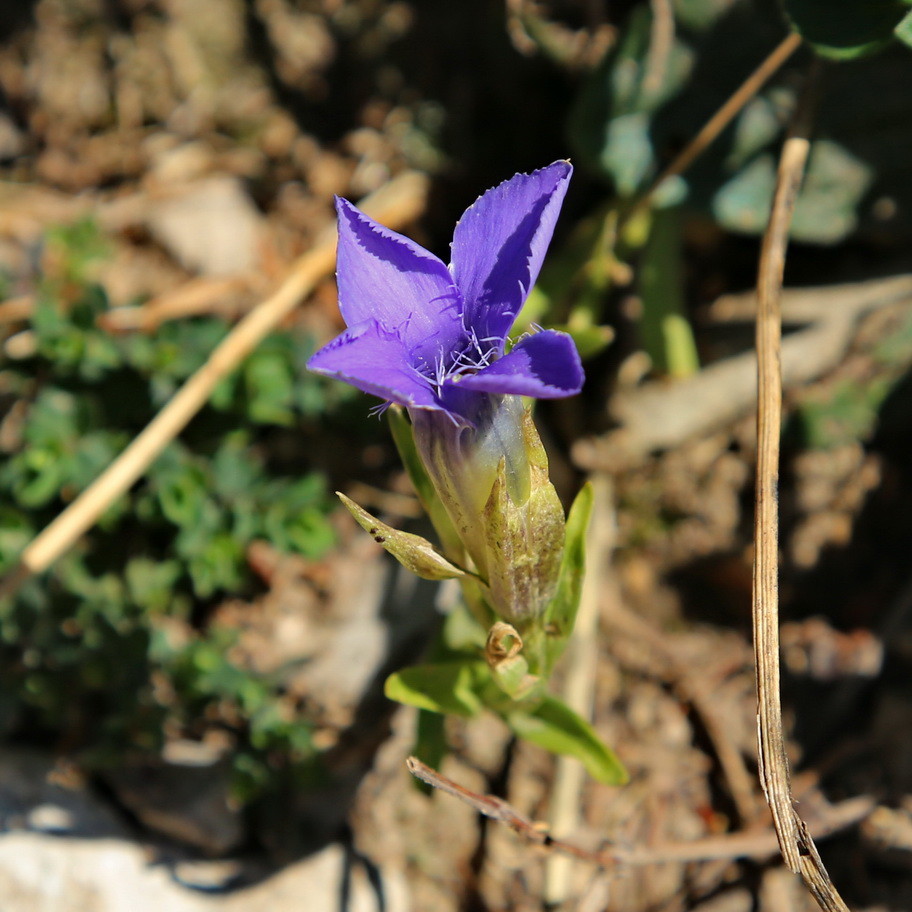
(386, 277)
(545, 365)
(499, 245)
(376, 361)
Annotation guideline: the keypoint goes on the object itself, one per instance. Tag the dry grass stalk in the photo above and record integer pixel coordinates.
(795, 842)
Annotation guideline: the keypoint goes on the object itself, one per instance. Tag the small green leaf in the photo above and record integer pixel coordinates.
(627, 152)
(451, 688)
(150, 583)
(269, 387)
(557, 728)
(415, 553)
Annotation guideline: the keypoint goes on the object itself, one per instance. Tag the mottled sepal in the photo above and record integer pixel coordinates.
(524, 539)
(415, 553)
(463, 463)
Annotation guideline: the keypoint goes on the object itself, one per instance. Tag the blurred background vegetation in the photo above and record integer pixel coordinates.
(148, 144)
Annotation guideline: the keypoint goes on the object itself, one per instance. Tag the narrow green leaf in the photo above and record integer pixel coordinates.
(666, 334)
(561, 613)
(557, 728)
(452, 688)
(412, 551)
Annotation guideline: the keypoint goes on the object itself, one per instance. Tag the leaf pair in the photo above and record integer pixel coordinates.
(460, 688)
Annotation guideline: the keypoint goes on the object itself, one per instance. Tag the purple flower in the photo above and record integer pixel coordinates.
(432, 337)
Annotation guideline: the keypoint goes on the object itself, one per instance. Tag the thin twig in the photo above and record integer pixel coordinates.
(721, 119)
(773, 761)
(755, 843)
(397, 203)
(795, 842)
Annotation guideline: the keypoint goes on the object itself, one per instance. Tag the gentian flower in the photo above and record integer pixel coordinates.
(433, 339)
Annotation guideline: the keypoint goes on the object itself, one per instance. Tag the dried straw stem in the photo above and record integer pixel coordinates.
(795, 842)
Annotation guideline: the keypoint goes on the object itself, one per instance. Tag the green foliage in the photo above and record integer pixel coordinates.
(611, 120)
(826, 210)
(903, 30)
(208, 682)
(464, 688)
(661, 82)
(86, 651)
(666, 334)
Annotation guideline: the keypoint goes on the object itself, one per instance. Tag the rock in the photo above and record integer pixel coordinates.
(185, 796)
(33, 797)
(210, 226)
(39, 872)
(63, 849)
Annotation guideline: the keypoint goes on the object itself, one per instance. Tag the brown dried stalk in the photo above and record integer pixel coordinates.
(795, 842)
